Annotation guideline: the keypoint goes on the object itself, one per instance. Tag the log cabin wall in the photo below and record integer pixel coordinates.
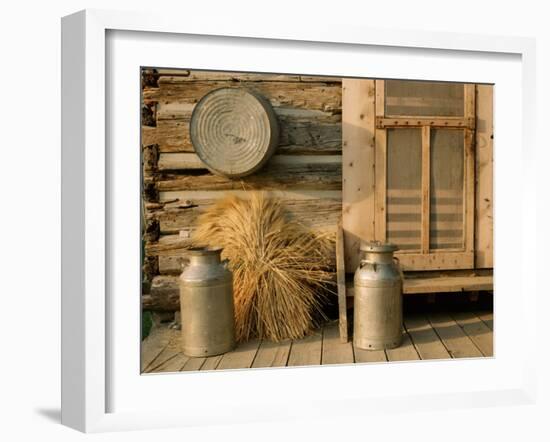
(306, 170)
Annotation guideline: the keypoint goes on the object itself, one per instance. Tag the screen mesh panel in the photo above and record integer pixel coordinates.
(404, 180)
(422, 98)
(446, 189)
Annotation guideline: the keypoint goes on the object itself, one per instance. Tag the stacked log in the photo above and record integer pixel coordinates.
(306, 170)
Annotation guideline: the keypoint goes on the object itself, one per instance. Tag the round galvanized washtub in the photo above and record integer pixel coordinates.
(234, 131)
(378, 307)
(206, 302)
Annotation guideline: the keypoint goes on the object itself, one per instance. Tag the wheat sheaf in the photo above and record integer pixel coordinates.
(281, 269)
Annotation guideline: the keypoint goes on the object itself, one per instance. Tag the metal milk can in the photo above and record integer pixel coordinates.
(378, 306)
(206, 303)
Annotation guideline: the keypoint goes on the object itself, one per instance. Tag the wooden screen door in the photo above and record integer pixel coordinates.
(424, 172)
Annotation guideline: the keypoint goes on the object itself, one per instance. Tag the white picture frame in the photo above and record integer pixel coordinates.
(90, 322)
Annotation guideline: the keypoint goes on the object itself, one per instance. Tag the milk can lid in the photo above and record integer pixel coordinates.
(378, 247)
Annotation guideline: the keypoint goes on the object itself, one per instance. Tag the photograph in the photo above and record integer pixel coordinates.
(234, 221)
(296, 220)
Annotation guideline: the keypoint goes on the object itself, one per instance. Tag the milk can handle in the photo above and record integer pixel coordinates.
(399, 268)
(225, 263)
(364, 262)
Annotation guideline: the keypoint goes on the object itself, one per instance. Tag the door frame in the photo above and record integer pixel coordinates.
(427, 259)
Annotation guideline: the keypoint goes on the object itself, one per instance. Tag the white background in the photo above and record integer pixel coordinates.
(29, 118)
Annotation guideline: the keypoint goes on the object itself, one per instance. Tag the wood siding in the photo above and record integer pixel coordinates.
(306, 170)
(484, 177)
(358, 166)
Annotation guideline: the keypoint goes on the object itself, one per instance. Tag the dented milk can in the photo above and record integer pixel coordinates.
(378, 307)
(206, 303)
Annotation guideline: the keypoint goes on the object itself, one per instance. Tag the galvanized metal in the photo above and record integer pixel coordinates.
(234, 131)
(206, 302)
(378, 305)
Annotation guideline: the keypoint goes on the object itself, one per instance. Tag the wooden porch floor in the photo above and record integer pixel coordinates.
(436, 336)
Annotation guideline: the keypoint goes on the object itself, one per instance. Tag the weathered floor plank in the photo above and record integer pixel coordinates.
(193, 364)
(272, 354)
(164, 357)
(241, 357)
(306, 351)
(477, 330)
(425, 339)
(405, 352)
(438, 336)
(211, 363)
(150, 353)
(154, 346)
(174, 364)
(453, 337)
(486, 317)
(369, 355)
(335, 351)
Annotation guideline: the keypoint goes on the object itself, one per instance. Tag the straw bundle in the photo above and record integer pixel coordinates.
(280, 268)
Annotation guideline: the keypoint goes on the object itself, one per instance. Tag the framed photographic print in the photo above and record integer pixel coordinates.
(258, 222)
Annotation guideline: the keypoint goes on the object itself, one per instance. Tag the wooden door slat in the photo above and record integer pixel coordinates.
(358, 107)
(380, 166)
(484, 177)
(412, 121)
(425, 217)
(469, 191)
